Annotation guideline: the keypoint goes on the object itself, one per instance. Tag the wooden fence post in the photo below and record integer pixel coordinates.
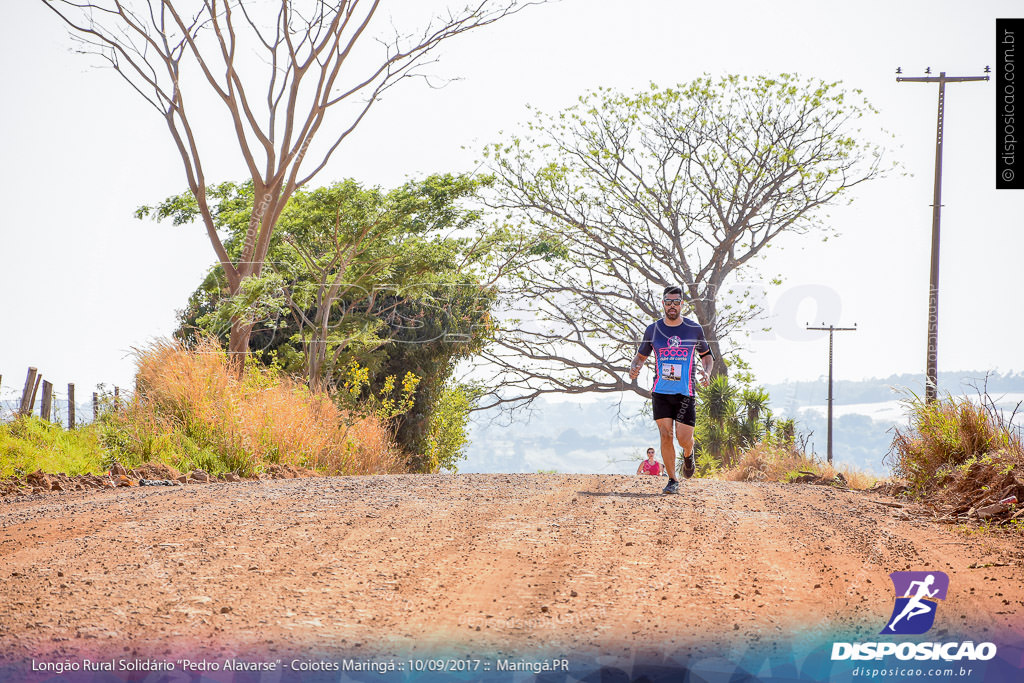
(95, 406)
(35, 391)
(117, 399)
(71, 406)
(47, 401)
(26, 394)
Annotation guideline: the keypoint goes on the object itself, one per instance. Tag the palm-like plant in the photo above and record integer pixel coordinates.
(731, 419)
(755, 403)
(717, 427)
(719, 399)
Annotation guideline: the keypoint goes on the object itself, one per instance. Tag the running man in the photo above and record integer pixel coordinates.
(675, 340)
(916, 605)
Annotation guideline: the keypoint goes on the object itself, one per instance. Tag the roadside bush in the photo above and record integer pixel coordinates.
(732, 419)
(962, 457)
(192, 410)
(945, 434)
(446, 436)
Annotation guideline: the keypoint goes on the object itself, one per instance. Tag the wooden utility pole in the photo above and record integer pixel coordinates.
(71, 406)
(932, 361)
(831, 329)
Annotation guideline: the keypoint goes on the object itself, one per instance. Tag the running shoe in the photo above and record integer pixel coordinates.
(671, 487)
(689, 465)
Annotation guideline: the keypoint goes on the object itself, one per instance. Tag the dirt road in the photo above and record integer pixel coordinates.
(461, 563)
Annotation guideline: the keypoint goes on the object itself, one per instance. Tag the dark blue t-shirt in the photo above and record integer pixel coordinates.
(674, 350)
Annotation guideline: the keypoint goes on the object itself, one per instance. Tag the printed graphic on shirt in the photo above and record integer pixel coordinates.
(672, 371)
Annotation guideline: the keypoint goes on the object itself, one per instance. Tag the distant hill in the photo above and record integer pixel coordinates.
(882, 389)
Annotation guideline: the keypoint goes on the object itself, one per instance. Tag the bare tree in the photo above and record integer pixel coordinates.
(684, 186)
(309, 64)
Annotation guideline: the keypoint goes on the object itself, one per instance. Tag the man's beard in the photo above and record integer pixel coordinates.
(672, 314)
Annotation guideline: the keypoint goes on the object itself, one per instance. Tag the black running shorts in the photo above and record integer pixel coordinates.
(680, 408)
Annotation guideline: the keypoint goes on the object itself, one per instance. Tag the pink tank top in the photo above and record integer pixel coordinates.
(652, 467)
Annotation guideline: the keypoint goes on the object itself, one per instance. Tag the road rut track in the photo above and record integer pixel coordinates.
(480, 563)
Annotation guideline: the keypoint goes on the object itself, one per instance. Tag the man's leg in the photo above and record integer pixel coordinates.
(684, 433)
(685, 421)
(668, 446)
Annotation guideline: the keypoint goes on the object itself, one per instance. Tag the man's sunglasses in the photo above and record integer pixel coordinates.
(673, 302)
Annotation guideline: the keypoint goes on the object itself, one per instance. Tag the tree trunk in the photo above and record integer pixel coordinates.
(315, 358)
(704, 307)
(720, 367)
(238, 344)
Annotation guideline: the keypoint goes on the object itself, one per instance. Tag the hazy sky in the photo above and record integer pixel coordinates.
(86, 282)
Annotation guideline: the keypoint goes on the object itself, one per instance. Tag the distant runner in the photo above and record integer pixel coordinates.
(650, 465)
(675, 340)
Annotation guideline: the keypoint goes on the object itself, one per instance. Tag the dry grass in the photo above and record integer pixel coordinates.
(961, 456)
(945, 434)
(192, 410)
(766, 462)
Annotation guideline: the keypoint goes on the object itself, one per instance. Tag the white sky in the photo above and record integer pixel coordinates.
(85, 282)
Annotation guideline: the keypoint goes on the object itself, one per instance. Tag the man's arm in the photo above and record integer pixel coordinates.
(707, 361)
(637, 365)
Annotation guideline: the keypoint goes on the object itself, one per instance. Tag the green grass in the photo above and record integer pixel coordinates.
(30, 443)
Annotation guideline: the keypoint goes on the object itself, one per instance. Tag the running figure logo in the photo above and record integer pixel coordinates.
(917, 594)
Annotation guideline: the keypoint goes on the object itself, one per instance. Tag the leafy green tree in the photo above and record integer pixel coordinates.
(395, 282)
(686, 185)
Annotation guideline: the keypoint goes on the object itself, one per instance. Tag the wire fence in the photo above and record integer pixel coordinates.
(40, 397)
